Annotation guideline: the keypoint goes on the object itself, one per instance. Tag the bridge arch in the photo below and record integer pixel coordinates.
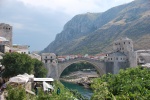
(98, 65)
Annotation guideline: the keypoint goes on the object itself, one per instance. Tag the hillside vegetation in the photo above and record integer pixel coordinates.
(93, 33)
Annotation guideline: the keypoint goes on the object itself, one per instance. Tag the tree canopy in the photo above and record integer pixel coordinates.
(39, 69)
(130, 84)
(16, 63)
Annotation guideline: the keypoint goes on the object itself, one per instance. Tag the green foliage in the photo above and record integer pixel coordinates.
(17, 93)
(78, 95)
(16, 63)
(39, 69)
(130, 84)
(65, 94)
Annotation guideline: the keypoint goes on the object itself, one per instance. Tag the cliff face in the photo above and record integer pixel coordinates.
(94, 32)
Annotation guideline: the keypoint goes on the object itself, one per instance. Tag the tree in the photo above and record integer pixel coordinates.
(39, 69)
(16, 63)
(129, 84)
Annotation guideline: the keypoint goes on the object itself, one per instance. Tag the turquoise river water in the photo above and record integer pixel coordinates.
(85, 92)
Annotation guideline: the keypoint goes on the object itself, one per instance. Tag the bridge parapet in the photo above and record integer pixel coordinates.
(83, 58)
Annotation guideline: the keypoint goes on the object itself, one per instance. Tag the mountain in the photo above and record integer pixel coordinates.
(93, 33)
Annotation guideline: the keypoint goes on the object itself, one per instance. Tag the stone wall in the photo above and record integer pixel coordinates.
(109, 67)
(132, 57)
(6, 32)
(114, 67)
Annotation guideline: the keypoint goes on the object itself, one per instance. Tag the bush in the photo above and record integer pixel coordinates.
(17, 93)
(129, 84)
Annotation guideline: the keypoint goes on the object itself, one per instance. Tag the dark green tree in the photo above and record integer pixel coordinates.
(39, 69)
(129, 84)
(16, 63)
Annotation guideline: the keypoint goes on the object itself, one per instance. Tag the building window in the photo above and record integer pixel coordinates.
(46, 57)
(121, 58)
(122, 48)
(124, 42)
(111, 58)
(117, 58)
(129, 42)
(45, 61)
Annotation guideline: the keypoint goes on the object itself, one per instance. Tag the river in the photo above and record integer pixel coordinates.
(85, 92)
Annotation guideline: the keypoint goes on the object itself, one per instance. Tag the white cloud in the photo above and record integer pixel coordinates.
(73, 7)
(18, 25)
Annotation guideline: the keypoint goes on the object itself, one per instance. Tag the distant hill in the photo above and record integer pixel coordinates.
(93, 33)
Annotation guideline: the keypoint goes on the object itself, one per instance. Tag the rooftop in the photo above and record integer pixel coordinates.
(117, 54)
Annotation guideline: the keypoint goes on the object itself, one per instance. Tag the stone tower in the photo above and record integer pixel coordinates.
(122, 57)
(50, 62)
(6, 32)
(125, 45)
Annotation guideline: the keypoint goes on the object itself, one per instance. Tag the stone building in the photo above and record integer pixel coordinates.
(5, 37)
(4, 45)
(6, 41)
(35, 56)
(24, 49)
(50, 61)
(123, 56)
(6, 32)
(143, 56)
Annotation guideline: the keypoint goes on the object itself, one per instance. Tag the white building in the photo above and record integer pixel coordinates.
(23, 49)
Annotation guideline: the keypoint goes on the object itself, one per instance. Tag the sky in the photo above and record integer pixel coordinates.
(36, 22)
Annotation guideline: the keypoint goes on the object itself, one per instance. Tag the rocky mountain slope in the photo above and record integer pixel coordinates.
(93, 33)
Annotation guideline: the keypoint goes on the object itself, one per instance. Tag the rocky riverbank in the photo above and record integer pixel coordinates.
(80, 77)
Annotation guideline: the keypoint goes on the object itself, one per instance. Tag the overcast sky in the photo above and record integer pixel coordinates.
(36, 22)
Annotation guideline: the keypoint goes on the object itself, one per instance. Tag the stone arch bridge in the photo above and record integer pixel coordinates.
(55, 71)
